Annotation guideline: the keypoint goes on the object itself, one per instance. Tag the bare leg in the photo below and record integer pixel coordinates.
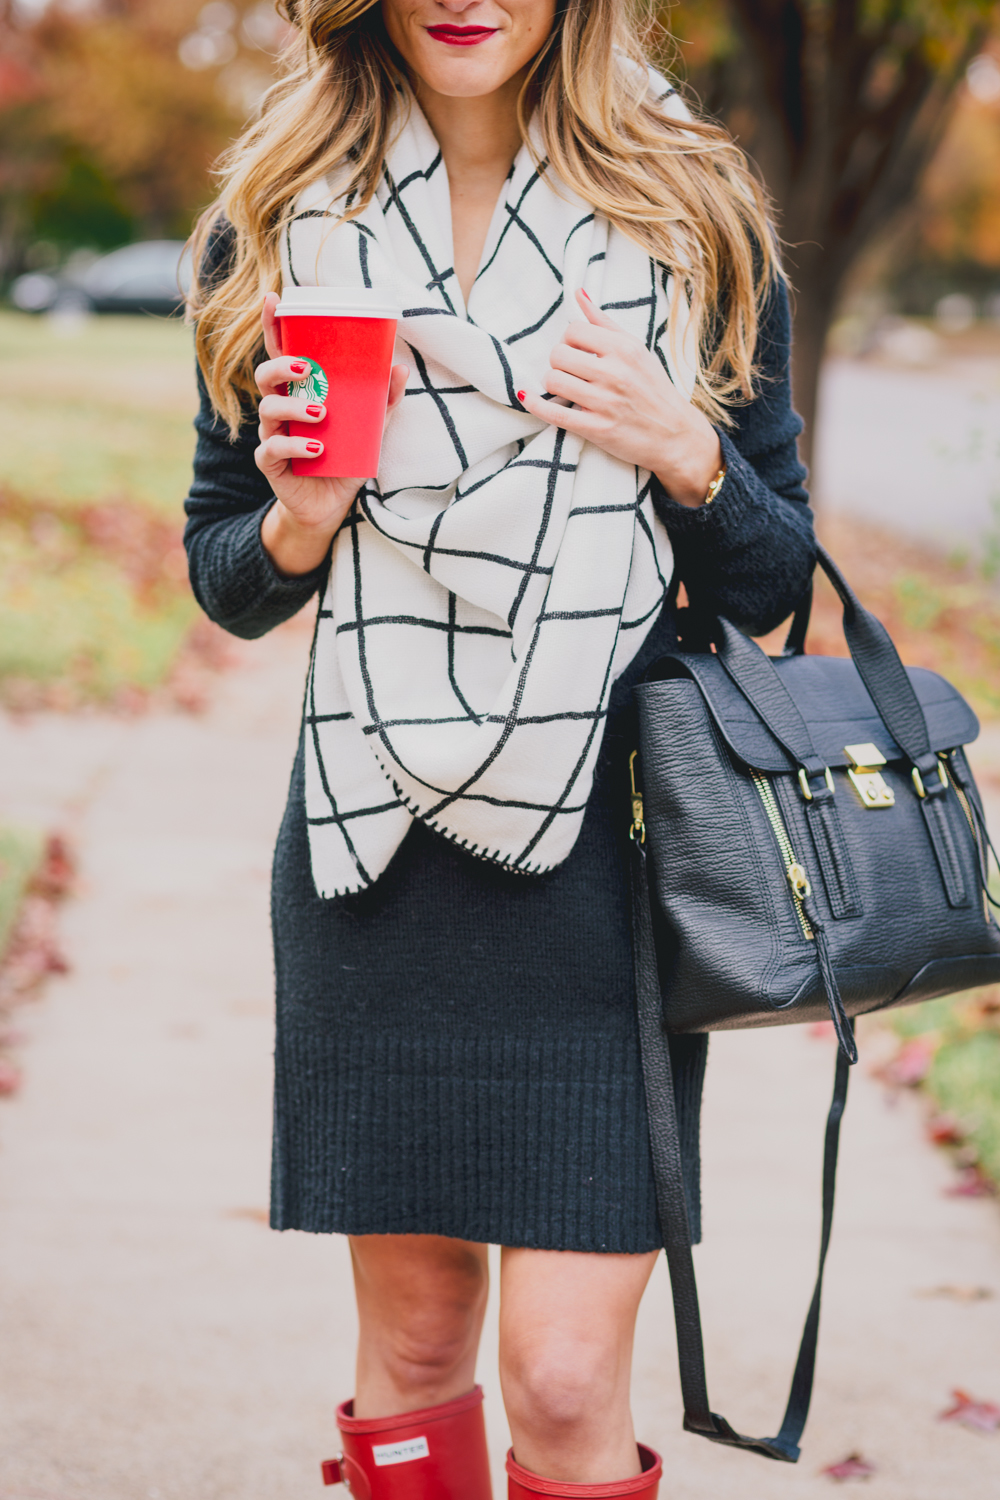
(567, 1322)
(421, 1301)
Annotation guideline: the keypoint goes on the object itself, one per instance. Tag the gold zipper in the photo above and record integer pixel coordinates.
(945, 761)
(798, 880)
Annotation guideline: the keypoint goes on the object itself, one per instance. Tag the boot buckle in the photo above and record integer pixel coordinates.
(331, 1470)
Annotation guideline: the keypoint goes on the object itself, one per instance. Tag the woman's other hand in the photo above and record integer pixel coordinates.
(297, 531)
(625, 402)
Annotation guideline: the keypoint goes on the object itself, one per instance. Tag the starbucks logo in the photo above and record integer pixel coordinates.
(313, 386)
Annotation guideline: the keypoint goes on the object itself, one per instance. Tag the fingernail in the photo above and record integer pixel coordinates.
(586, 294)
(520, 395)
(314, 447)
(298, 369)
(314, 411)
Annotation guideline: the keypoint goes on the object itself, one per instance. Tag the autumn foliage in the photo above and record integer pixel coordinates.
(106, 133)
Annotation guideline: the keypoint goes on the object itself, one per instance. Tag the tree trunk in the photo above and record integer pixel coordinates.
(841, 113)
(816, 279)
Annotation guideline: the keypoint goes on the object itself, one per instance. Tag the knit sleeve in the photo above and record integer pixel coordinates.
(231, 572)
(749, 555)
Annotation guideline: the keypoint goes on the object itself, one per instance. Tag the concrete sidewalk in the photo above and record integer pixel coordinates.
(159, 1341)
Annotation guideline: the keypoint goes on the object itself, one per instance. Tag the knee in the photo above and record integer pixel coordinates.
(426, 1337)
(556, 1389)
(423, 1349)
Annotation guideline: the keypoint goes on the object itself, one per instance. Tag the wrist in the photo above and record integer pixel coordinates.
(688, 482)
(293, 545)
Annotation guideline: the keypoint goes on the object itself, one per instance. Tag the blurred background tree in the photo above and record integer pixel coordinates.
(875, 125)
(842, 104)
(112, 114)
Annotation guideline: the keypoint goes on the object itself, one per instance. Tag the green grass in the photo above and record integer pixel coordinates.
(965, 1079)
(80, 620)
(101, 412)
(20, 852)
(964, 1076)
(95, 459)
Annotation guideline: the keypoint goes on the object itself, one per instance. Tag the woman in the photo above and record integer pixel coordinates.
(595, 368)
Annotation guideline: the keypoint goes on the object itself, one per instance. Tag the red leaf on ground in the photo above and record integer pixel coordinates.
(10, 1077)
(911, 1064)
(958, 1293)
(970, 1182)
(54, 877)
(944, 1130)
(851, 1467)
(822, 1031)
(981, 1416)
(33, 950)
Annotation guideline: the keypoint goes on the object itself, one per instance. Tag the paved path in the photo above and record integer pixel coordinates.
(158, 1341)
(914, 450)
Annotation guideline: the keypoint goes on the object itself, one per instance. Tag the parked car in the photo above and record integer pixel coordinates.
(150, 277)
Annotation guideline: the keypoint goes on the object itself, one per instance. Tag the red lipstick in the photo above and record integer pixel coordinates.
(461, 36)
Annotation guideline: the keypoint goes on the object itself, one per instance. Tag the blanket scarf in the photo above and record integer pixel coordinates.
(490, 585)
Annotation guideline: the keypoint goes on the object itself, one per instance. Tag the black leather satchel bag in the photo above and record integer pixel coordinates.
(808, 842)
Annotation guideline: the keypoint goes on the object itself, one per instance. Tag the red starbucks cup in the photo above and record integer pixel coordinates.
(345, 335)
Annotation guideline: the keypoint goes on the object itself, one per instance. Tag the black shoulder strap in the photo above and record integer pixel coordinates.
(665, 1146)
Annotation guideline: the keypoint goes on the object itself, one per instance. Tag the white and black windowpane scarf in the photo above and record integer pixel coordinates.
(486, 591)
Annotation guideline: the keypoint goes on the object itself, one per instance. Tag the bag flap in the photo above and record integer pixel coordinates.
(831, 698)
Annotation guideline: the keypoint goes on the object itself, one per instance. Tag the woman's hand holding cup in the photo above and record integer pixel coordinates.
(298, 529)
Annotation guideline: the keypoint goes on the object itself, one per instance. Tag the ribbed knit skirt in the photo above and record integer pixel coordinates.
(457, 1050)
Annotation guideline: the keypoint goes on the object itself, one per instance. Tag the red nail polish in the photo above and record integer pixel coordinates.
(586, 294)
(314, 447)
(298, 369)
(314, 411)
(520, 395)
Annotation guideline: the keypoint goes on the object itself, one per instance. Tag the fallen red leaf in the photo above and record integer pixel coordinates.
(10, 1077)
(911, 1064)
(970, 1182)
(958, 1293)
(981, 1416)
(944, 1130)
(54, 877)
(851, 1467)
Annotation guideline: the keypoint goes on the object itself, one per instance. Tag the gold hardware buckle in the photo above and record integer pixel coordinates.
(638, 829)
(804, 783)
(918, 781)
(864, 772)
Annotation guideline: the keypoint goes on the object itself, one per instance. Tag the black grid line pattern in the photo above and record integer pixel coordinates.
(497, 576)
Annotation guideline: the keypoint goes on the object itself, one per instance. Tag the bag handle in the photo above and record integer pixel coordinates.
(889, 686)
(879, 666)
(664, 1141)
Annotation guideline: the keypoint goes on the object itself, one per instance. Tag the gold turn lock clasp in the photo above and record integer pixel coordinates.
(638, 829)
(864, 772)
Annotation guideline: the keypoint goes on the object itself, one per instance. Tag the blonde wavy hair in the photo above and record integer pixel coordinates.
(679, 188)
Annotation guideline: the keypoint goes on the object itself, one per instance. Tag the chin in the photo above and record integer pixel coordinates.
(464, 88)
(462, 72)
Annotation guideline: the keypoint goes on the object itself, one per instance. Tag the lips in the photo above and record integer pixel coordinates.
(461, 36)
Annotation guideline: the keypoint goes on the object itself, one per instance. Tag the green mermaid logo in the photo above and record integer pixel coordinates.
(313, 386)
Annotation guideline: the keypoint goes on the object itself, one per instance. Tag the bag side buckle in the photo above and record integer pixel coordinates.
(935, 789)
(868, 781)
(805, 788)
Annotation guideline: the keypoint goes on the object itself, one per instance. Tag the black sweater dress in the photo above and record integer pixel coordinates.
(457, 1050)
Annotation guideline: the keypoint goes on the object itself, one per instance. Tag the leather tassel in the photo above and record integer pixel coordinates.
(841, 1021)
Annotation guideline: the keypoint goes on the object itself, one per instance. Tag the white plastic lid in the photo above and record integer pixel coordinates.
(335, 301)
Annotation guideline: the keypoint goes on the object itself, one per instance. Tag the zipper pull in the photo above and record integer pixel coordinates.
(637, 833)
(798, 880)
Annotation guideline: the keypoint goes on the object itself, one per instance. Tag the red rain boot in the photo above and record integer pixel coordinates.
(438, 1453)
(523, 1485)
